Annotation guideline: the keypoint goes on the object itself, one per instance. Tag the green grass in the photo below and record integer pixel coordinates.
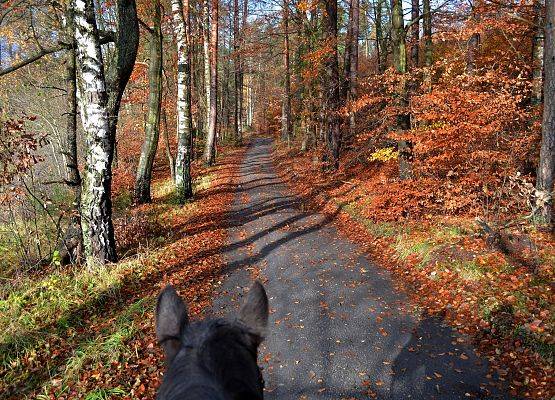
(110, 345)
(53, 299)
(377, 229)
(105, 394)
(422, 248)
(468, 270)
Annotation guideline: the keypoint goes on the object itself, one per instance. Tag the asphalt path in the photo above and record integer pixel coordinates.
(339, 329)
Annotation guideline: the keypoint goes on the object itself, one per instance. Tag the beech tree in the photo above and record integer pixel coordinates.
(546, 167)
(152, 128)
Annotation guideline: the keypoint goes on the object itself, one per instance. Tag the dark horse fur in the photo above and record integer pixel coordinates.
(214, 359)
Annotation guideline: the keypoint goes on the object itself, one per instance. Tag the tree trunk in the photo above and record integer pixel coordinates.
(123, 61)
(331, 82)
(546, 167)
(183, 182)
(380, 39)
(415, 33)
(236, 74)
(206, 58)
(471, 50)
(400, 63)
(242, 65)
(210, 148)
(347, 58)
(427, 30)
(72, 242)
(353, 65)
(286, 123)
(96, 205)
(171, 160)
(152, 128)
(537, 53)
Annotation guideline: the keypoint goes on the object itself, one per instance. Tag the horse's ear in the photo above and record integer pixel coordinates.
(254, 311)
(171, 319)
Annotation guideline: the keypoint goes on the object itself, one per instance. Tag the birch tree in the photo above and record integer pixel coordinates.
(183, 182)
(209, 149)
(96, 205)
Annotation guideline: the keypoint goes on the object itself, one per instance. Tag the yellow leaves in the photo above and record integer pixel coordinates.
(384, 154)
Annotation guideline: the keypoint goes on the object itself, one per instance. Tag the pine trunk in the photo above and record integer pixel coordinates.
(286, 123)
(331, 82)
(237, 88)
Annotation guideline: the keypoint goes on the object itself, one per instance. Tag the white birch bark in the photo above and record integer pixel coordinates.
(182, 160)
(98, 235)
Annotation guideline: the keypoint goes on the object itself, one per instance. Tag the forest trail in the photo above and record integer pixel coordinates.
(338, 327)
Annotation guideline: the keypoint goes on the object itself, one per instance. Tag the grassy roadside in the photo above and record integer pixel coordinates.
(449, 269)
(78, 333)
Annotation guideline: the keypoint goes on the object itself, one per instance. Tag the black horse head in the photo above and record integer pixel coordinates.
(215, 358)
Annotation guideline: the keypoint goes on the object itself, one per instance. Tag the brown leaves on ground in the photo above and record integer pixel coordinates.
(187, 253)
(502, 303)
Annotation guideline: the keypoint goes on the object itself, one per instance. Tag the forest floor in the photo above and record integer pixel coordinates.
(448, 267)
(359, 308)
(69, 333)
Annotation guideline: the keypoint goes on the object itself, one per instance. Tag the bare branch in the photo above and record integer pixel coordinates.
(106, 37)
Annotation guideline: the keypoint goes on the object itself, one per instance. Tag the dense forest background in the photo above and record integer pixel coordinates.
(115, 114)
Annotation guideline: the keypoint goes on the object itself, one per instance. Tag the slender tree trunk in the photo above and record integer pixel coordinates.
(123, 60)
(286, 123)
(206, 58)
(72, 242)
(236, 74)
(415, 33)
(171, 160)
(400, 63)
(428, 49)
(380, 39)
(546, 167)
(183, 182)
(345, 87)
(209, 151)
(537, 53)
(427, 30)
(353, 65)
(243, 65)
(152, 128)
(331, 81)
(96, 206)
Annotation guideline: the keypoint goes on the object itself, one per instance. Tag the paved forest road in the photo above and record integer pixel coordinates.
(336, 319)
